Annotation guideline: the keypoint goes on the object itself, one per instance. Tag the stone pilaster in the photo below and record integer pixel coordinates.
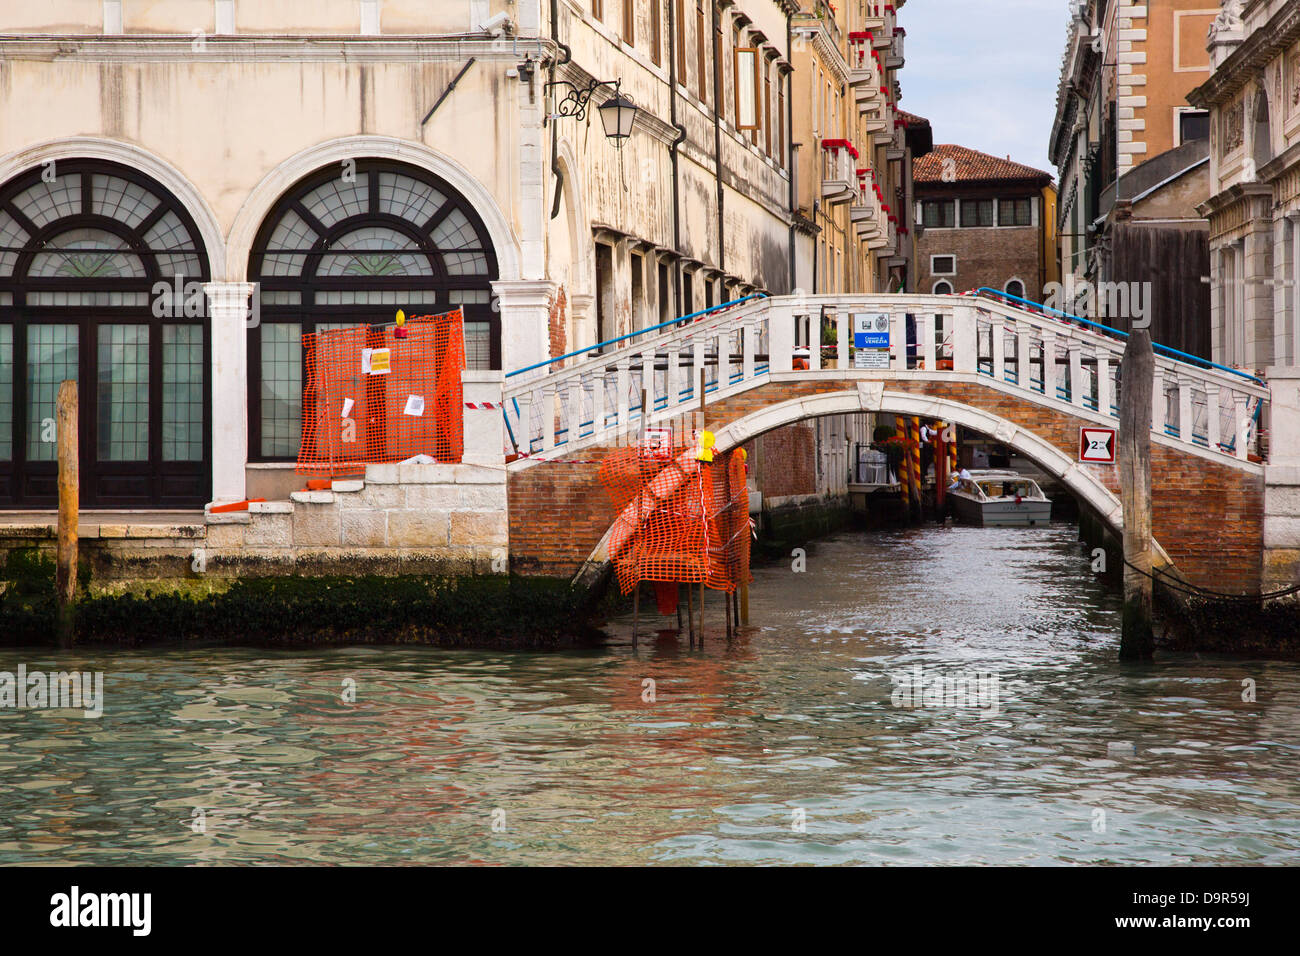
(1281, 566)
(228, 325)
(525, 312)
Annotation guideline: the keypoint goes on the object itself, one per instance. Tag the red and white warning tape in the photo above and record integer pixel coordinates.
(559, 461)
(484, 406)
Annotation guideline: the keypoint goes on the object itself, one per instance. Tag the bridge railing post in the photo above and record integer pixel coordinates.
(925, 332)
(1159, 410)
(481, 422)
(1049, 363)
(965, 350)
(1213, 416)
(1185, 430)
(622, 379)
(1103, 384)
(1077, 396)
(998, 346)
(749, 334)
(725, 336)
(780, 340)
(843, 329)
(1024, 348)
(697, 366)
(1240, 403)
(814, 319)
(898, 338)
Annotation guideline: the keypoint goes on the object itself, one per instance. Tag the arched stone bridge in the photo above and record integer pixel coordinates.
(975, 362)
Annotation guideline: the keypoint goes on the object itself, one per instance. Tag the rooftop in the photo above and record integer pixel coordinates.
(970, 165)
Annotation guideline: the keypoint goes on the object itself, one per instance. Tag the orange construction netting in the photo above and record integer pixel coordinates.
(680, 520)
(382, 394)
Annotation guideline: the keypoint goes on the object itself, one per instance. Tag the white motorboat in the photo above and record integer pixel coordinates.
(1000, 498)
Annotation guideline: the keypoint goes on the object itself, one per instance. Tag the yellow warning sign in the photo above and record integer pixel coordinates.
(376, 362)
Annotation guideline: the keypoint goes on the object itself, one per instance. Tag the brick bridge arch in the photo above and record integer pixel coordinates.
(1207, 514)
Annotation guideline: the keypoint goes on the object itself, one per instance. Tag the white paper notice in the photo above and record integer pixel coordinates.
(415, 406)
(347, 408)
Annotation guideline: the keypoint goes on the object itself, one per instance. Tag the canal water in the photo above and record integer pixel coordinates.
(790, 744)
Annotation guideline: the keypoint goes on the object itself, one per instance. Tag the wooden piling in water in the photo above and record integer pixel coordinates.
(1137, 640)
(65, 582)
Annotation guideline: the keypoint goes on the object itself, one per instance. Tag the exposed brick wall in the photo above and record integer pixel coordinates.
(985, 257)
(1209, 517)
(555, 324)
(786, 461)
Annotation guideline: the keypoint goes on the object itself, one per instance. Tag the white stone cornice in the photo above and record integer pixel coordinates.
(815, 33)
(244, 48)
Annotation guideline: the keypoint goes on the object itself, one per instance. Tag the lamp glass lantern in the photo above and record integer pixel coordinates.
(618, 114)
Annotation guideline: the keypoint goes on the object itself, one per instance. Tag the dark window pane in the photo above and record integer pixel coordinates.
(976, 213)
(1194, 125)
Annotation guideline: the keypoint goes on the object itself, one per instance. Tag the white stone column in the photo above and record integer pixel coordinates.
(524, 305)
(228, 326)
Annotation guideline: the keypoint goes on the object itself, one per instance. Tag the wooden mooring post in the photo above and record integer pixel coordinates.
(65, 581)
(1137, 641)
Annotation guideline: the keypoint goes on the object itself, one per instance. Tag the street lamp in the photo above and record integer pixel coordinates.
(617, 114)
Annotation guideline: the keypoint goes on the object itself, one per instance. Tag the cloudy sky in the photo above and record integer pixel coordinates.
(984, 72)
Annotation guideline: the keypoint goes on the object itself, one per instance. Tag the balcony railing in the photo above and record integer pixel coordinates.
(839, 181)
(864, 63)
(894, 58)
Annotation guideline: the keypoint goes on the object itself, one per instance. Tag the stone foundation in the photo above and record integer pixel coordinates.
(401, 519)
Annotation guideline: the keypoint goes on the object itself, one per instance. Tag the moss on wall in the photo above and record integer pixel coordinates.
(450, 611)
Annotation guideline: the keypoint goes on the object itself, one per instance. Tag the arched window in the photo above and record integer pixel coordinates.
(100, 282)
(1015, 287)
(942, 287)
(350, 246)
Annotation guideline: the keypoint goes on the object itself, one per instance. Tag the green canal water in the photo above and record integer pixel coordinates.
(782, 746)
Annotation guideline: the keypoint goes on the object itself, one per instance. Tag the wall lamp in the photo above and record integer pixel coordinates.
(617, 114)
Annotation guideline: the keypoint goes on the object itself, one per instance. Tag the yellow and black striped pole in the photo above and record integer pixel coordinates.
(904, 470)
(915, 458)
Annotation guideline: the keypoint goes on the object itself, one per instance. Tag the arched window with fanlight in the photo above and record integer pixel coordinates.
(351, 245)
(1015, 287)
(92, 255)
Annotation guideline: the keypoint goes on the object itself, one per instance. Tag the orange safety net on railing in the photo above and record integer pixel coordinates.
(679, 519)
(382, 394)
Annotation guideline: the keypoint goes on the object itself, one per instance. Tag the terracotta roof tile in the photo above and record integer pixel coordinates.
(971, 166)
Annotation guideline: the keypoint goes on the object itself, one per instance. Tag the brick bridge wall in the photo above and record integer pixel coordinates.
(1207, 516)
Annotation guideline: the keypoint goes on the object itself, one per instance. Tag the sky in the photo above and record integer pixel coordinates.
(984, 72)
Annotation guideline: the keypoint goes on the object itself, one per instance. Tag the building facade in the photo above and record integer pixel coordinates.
(985, 222)
(1254, 208)
(1253, 98)
(1121, 101)
(189, 188)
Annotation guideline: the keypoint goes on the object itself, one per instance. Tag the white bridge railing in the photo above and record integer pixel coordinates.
(597, 396)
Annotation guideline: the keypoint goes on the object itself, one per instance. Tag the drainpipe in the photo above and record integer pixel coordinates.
(817, 205)
(717, 144)
(789, 137)
(681, 137)
(555, 137)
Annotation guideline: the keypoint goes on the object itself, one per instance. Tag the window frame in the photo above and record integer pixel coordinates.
(1003, 204)
(943, 255)
(949, 204)
(305, 282)
(754, 52)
